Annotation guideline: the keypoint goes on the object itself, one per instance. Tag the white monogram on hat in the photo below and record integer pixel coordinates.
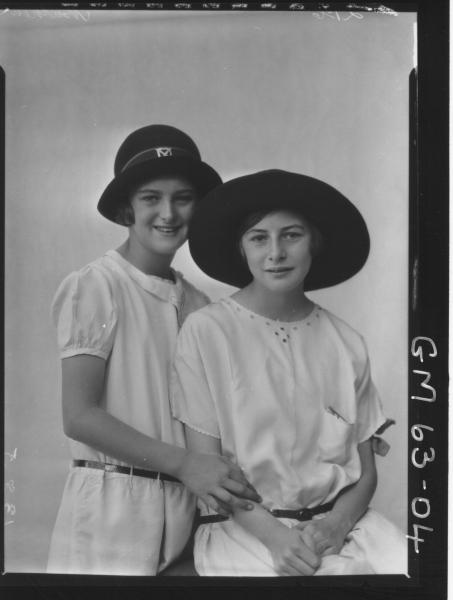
(153, 153)
(164, 152)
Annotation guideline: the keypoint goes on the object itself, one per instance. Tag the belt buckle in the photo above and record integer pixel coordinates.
(108, 468)
(304, 514)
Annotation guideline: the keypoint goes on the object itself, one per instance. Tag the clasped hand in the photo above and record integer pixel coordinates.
(298, 551)
(218, 482)
(290, 553)
(324, 536)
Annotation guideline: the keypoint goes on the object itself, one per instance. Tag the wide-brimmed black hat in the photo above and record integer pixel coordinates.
(215, 226)
(153, 151)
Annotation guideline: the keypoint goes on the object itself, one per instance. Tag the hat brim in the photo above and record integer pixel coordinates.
(213, 232)
(200, 174)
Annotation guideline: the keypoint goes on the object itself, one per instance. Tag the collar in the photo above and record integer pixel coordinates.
(162, 288)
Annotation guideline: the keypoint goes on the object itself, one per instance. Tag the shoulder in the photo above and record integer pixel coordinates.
(196, 296)
(94, 274)
(92, 283)
(207, 319)
(349, 336)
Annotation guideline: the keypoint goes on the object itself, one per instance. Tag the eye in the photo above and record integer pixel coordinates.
(293, 235)
(257, 238)
(183, 200)
(150, 199)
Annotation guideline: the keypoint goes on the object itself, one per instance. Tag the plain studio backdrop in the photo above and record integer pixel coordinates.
(316, 93)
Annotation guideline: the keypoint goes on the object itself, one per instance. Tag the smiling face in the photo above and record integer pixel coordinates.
(162, 210)
(278, 251)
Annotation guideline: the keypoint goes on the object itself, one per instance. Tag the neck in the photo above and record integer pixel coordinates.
(284, 306)
(142, 259)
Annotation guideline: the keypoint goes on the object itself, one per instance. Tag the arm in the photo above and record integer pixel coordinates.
(291, 556)
(327, 535)
(84, 420)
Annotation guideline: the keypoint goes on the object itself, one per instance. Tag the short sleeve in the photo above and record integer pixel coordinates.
(192, 394)
(84, 314)
(370, 415)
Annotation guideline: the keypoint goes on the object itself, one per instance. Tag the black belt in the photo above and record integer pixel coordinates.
(302, 514)
(109, 468)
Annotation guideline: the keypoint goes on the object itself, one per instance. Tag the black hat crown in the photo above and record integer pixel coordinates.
(154, 138)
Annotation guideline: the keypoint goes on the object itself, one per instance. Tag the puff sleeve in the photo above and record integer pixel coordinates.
(192, 391)
(370, 415)
(84, 314)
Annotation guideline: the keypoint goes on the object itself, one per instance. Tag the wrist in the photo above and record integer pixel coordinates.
(341, 520)
(177, 462)
(272, 535)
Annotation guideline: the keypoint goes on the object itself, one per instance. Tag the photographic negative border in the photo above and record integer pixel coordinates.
(428, 328)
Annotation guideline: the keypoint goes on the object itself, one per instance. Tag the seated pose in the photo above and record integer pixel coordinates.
(281, 386)
(127, 506)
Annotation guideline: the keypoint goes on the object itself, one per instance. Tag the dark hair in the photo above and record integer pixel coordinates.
(125, 213)
(317, 239)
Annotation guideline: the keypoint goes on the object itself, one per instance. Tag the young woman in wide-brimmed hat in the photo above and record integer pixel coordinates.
(127, 506)
(282, 386)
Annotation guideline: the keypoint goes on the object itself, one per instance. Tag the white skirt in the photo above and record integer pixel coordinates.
(373, 546)
(114, 524)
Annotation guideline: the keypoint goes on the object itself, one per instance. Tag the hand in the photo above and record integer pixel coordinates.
(325, 536)
(290, 554)
(218, 482)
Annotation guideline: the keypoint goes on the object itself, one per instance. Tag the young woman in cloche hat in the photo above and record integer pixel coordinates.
(283, 387)
(127, 506)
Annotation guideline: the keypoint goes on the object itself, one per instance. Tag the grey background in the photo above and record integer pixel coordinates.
(322, 95)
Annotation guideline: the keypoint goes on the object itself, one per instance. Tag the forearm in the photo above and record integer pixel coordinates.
(352, 504)
(354, 501)
(86, 421)
(260, 523)
(100, 430)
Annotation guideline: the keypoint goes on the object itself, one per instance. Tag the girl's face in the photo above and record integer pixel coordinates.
(278, 251)
(162, 209)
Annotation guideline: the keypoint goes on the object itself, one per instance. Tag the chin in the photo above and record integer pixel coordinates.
(283, 286)
(169, 248)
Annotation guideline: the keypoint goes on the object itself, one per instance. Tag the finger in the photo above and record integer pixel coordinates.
(242, 490)
(308, 555)
(307, 538)
(231, 501)
(320, 548)
(239, 478)
(221, 494)
(319, 540)
(217, 506)
(329, 551)
(299, 566)
(238, 475)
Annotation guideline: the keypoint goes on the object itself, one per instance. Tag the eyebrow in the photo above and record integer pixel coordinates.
(157, 191)
(256, 229)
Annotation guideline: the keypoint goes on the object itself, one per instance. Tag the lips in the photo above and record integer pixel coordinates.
(279, 270)
(167, 230)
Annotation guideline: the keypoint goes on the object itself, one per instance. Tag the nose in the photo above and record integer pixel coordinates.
(277, 251)
(166, 209)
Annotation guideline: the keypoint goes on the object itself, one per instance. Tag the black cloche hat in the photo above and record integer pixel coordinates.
(153, 151)
(215, 226)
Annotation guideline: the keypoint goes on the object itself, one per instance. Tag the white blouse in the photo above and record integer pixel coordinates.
(289, 401)
(113, 310)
